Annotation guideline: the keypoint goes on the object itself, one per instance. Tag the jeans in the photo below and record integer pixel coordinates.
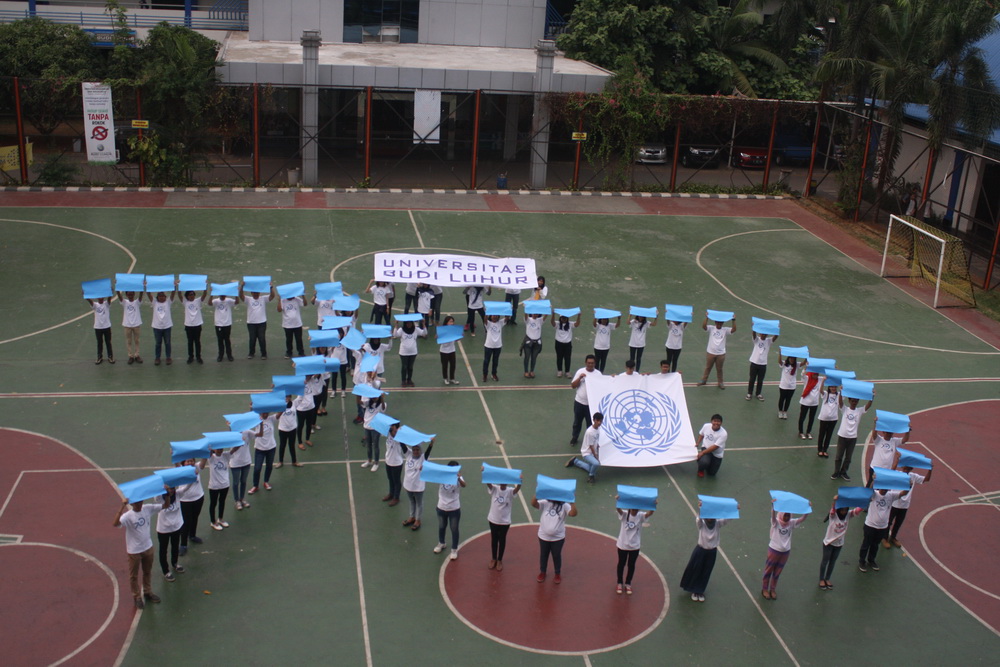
(190, 511)
(217, 498)
(870, 544)
(588, 463)
(448, 365)
(372, 443)
(262, 458)
(602, 359)
(513, 300)
(293, 333)
(406, 367)
(830, 554)
(194, 341)
(257, 334)
(104, 339)
(498, 540)
(896, 517)
(395, 476)
(757, 372)
(531, 351)
(581, 413)
(672, 358)
(635, 354)
(225, 345)
(491, 354)
(380, 314)
(416, 504)
(240, 475)
(545, 548)
(450, 519)
(563, 353)
(710, 463)
(286, 439)
(173, 541)
(161, 338)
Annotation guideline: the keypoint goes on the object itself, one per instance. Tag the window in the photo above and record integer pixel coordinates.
(381, 20)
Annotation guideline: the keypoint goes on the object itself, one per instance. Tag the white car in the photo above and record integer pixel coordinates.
(652, 154)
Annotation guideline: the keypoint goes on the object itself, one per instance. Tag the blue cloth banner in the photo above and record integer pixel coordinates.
(831, 382)
(439, 474)
(331, 322)
(289, 385)
(797, 352)
(223, 439)
(347, 303)
(408, 317)
(143, 488)
(411, 437)
(676, 313)
(819, 365)
(606, 314)
(243, 421)
(840, 375)
(329, 291)
(786, 501)
(366, 391)
(637, 311)
(497, 475)
(853, 496)
(501, 308)
(96, 289)
(449, 333)
(174, 477)
(130, 282)
(537, 307)
(719, 315)
(376, 330)
(766, 327)
(863, 391)
(381, 423)
(323, 338)
(713, 507)
(192, 282)
(226, 289)
(270, 402)
(291, 290)
(893, 422)
(260, 284)
(567, 312)
(637, 498)
(354, 340)
(183, 450)
(156, 284)
(369, 363)
(550, 488)
(890, 479)
(912, 459)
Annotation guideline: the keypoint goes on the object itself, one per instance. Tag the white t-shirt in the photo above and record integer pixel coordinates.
(222, 309)
(884, 451)
(828, 412)
(552, 523)
(781, 533)
(708, 538)
(411, 471)
(188, 493)
(714, 438)
(602, 335)
(812, 398)
(448, 497)
(102, 314)
(192, 313)
(241, 454)
(474, 297)
(218, 471)
(630, 533)
(591, 437)
(880, 507)
(581, 391)
(675, 335)
(136, 524)
(393, 452)
(161, 314)
(501, 504)
(257, 308)
(380, 295)
(324, 308)
(903, 502)
(533, 326)
(291, 312)
(788, 378)
(761, 348)
(424, 298)
(836, 527)
(383, 347)
(850, 420)
(717, 339)
(303, 403)
(447, 348)
(564, 335)
(493, 333)
(289, 419)
(638, 336)
(131, 313)
(266, 442)
(372, 409)
(408, 341)
(539, 293)
(170, 518)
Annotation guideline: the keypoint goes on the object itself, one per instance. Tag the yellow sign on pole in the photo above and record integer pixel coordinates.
(141, 124)
(10, 158)
(579, 136)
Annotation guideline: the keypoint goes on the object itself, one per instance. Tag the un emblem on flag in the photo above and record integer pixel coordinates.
(639, 421)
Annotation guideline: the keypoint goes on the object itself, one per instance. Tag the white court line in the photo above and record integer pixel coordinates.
(815, 326)
(753, 598)
(416, 231)
(944, 567)
(10, 495)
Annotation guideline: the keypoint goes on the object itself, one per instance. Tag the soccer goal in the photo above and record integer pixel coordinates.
(928, 256)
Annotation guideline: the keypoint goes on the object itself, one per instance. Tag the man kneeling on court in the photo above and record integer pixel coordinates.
(710, 456)
(588, 459)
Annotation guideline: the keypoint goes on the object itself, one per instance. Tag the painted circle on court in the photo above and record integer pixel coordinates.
(945, 527)
(512, 608)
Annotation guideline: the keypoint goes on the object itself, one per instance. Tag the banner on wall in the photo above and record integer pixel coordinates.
(99, 123)
(646, 419)
(426, 116)
(455, 270)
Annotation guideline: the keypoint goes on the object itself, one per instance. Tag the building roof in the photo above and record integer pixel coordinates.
(403, 66)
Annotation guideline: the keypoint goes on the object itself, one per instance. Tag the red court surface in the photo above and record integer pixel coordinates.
(64, 587)
(513, 608)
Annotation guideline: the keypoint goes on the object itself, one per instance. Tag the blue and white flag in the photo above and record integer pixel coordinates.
(645, 420)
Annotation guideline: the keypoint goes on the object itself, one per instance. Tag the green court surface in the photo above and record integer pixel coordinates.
(319, 571)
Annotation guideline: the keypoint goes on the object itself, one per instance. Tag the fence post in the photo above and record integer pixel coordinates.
(22, 153)
(864, 163)
(138, 115)
(475, 141)
(368, 134)
(677, 152)
(927, 180)
(256, 135)
(770, 148)
(579, 151)
(812, 156)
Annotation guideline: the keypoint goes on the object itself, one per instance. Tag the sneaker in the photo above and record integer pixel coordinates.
(802, 436)
(809, 436)
(540, 578)
(447, 382)
(844, 476)
(694, 596)
(156, 362)
(366, 464)
(619, 590)
(495, 378)
(217, 526)
(224, 524)
(190, 360)
(591, 479)
(873, 565)
(100, 360)
(219, 358)
(358, 420)
(701, 598)
(835, 475)
(886, 544)
(439, 548)
(239, 504)
(759, 397)
(374, 467)
(252, 491)
(559, 374)
(251, 355)
(183, 550)
(179, 569)
(138, 360)
(263, 357)
(701, 473)
(279, 464)
(267, 487)
(152, 597)
(245, 504)
(111, 360)
(229, 357)
(169, 361)
(748, 398)
(628, 589)
(569, 464)
(701, 384)
(862, 567)
(131, 360)
(454, 555)
(454, 381)
(196, 540)
(485, 377)
(169, 576)
(139, 604)
(557, 579)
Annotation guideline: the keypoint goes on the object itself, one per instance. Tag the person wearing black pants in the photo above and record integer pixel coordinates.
(168, 534)
(192, 497)
(581, 408)
(222, 335)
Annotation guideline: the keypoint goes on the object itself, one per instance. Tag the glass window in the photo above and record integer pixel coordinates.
(381, 20)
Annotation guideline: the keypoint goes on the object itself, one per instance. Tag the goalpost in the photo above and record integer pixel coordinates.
(927, 255)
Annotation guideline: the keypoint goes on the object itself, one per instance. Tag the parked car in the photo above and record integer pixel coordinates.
(748, 158)
(700, 156)
(652, 153)
(792, 148)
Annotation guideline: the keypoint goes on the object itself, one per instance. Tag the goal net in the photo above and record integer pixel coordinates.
(929, 257)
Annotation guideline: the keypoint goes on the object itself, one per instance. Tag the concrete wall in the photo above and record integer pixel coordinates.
(912, 151)
(285, 21)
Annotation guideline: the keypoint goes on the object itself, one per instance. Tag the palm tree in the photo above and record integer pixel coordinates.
(731, 36)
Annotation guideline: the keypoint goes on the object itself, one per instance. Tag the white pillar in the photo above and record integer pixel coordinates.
(310, 107)
(541, 115)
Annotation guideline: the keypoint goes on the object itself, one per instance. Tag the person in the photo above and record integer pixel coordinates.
(407, 335)
(759, 355)
(876, 526)
(564, 342)
(411, 297)
(474, 301)
(305, 411)
(324, 308)
(135, 518)
(900, 506)
(702, 561)
(492, 345)
(425, 303)
(162, 324)
(372, 406)
(847, 434)
(637, 340)
(499, 517)
(436, 304)
(710, 454)
(132, 323)
(628, 543)
(339, 352)
(828, 412)
(715, 353)
(551, 535)
(833, 541)
(589, 461)
(192, 499)
(375, 346)
(675, 341)
(239, 466)
(602, 339)
(380, 301)
(393, 466)
(778, 548)
(884, 454)
(912, 200)
(257, 319)
(291, 322)
(786, 385)
(513, 297)
(808, 404)
(449, 511)
(581, 404)
(222, 307)
(102, 327)
(193, 322)
(413, 463)
(263, 451)
(447, 352)
(540, 292)
(218, 487)
(288, 426)
(531, 346)
(168, 534)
